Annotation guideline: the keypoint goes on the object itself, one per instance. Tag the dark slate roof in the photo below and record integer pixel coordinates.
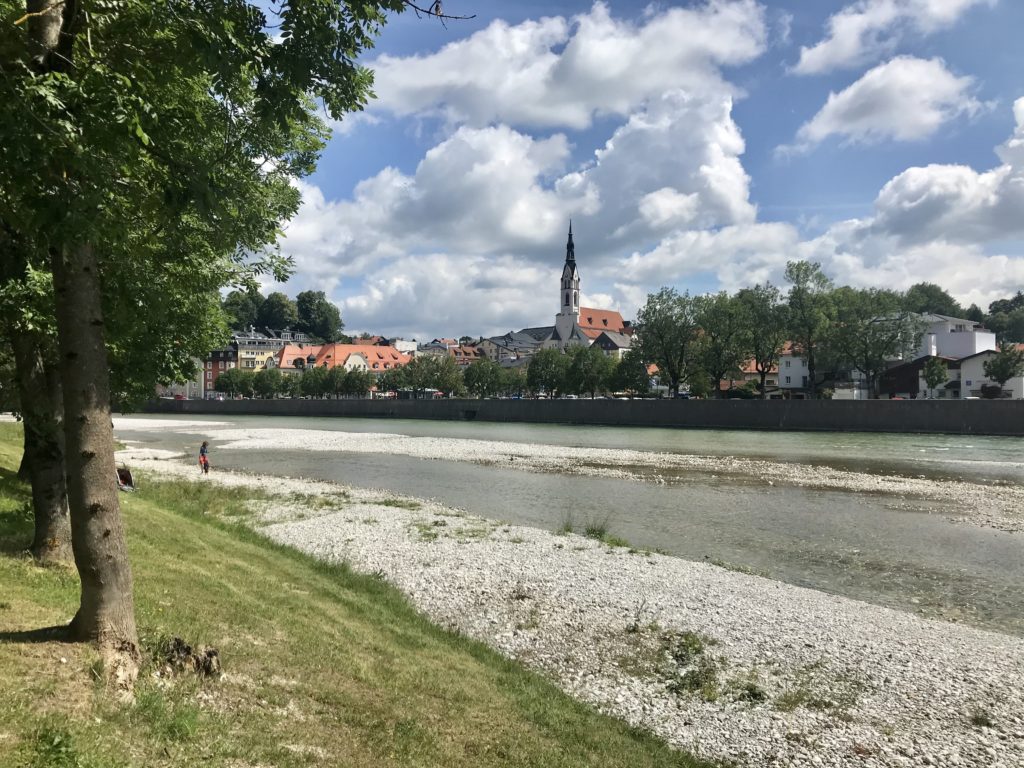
(540, 333)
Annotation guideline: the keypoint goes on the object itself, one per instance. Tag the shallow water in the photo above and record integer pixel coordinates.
(901, 553)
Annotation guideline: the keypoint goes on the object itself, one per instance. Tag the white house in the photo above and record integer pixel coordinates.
(953, 337)
(792, 370)
(973, 378)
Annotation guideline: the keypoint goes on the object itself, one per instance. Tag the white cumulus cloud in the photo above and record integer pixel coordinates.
(871, 29)
(905, 99)
(555, 72)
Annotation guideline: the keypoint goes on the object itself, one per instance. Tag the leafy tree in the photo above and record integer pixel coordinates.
(547, 372)
(872, 327)
(935, 374)
(291, 384)
(1007, 364)
(230, 382)
(810, 312)
(513, 380)
(315, 382)
(318, 317)
(1006, 306)
(1008, 326)
(243, 308)
(666, 331)
(134, 131)
(925, 298)
(699, 382)
(434, 372)
(277, 313)
(26, 309)
(590, 370)
(723, 346)
(767, 330)
(393, 380)
(448, 378)
(630, 375)
(974, 313)
(358, 382)
(335, 381)
(483, 378)
(268, 383)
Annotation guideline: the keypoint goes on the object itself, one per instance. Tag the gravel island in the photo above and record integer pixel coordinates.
(725, 664)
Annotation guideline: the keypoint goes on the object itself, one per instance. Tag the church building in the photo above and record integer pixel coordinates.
(575, 326)
(581, 326)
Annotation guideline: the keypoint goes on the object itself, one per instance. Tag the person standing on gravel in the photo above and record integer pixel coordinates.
(204, 458)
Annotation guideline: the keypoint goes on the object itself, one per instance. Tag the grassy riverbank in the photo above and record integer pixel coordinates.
(321, 666)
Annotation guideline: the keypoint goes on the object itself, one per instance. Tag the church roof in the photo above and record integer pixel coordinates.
(601, 319)
(540, 333)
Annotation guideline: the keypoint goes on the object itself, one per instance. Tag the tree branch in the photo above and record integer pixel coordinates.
(435, 11)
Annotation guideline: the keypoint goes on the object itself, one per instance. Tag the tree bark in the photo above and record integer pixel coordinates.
(106, 614)
(42, 412)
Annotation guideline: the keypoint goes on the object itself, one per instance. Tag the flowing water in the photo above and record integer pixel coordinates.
(891, 551)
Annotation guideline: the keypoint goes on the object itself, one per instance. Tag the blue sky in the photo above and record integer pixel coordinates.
(731, 136)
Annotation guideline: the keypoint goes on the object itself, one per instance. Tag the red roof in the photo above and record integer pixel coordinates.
(378, 358)
(601, 319)
(287, 356)
(370, 342)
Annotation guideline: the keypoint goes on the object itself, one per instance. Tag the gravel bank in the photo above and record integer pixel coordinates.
(997, 506)
(721, 663)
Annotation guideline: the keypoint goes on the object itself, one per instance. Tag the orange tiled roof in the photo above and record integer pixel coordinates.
(378, 358)
(601, 319)
(286, 357)
(751, 367)
(370, 342)
(591, 333)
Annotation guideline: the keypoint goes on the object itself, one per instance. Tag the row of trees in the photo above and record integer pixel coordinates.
(310, 313)
(269, 383)
(149, 158)
(701, 340)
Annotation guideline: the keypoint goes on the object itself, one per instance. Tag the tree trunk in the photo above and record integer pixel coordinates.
(43, 414)
(764, 386)
(106, 614)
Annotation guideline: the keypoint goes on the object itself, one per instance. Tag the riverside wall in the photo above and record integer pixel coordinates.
(966, 417)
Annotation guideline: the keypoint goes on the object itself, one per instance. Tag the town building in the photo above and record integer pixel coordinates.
(218, 361)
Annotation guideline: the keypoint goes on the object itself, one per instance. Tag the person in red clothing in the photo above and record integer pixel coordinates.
(204, 458)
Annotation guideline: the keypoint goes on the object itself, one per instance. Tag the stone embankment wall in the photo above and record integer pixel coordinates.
(969, 417)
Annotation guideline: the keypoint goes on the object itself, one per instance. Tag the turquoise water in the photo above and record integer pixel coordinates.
(891, 551)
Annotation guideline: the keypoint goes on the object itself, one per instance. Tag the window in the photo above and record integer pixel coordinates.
(221, 365)
(805, 381)
(787, 365)
(788, 380)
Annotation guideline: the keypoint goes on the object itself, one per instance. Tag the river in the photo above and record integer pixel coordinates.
(892, 551)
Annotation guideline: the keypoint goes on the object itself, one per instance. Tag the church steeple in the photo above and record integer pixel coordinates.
(569, 290)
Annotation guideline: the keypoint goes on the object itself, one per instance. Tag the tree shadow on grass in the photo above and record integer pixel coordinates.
(60, 633)
(15, 514)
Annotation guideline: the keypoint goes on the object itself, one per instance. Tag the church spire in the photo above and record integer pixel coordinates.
(570, 248)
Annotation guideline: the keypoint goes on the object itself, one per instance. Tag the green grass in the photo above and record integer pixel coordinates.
(322, 666)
